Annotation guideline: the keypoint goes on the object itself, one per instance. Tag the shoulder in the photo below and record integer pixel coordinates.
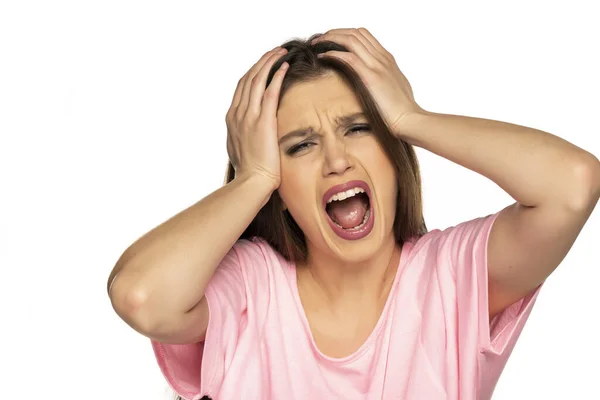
(452, 237)
(255, 261)
(455, 245)
(255, 250)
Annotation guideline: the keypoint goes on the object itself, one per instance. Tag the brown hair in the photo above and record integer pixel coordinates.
(278, 227)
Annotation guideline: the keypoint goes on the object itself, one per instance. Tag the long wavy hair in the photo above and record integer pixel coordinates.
(278, 227)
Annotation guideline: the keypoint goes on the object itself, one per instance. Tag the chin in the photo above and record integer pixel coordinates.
(358, 250)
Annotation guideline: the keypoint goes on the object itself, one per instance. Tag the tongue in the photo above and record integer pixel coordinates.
(348, 213)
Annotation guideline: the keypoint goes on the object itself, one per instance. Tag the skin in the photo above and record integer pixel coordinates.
(344, 284)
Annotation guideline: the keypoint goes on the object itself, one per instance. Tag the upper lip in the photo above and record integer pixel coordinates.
(346, 186)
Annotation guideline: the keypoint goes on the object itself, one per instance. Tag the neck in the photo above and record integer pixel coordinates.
(339, 282)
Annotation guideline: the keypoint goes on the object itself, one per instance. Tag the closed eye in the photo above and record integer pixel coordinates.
(304, 145)
(359, 128)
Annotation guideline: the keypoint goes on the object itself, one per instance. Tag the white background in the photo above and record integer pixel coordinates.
(112, 119)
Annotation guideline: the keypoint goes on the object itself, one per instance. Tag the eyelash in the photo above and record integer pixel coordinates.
(305, 145)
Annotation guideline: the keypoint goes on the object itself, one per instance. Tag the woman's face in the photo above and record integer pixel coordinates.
(334, 153)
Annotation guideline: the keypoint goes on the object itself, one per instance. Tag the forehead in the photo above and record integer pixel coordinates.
(316, 102)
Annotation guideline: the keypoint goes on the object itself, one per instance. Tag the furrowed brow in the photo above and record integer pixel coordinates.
(343, 121)
(346, 120)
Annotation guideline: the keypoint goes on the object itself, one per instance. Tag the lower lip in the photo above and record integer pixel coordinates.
(354, 234)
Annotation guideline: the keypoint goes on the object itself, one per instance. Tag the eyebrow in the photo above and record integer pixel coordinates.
(344, 120)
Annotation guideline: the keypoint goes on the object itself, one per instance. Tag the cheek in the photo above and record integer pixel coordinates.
(295, 190)
(298, 192)
(372, 157)
(382, 173)
(290, 177)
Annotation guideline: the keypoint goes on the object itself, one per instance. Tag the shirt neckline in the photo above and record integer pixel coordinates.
(291, 270)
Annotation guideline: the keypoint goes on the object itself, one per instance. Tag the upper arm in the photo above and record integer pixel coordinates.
(208, 334)
(527, 243)
(224, 298)
(188, 328)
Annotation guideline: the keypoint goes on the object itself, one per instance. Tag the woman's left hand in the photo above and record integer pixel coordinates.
(378, 70)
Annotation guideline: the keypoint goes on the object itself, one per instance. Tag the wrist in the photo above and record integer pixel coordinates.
(260, 182)
(406, 128)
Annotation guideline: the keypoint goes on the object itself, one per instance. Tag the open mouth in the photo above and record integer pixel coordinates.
(349, 210)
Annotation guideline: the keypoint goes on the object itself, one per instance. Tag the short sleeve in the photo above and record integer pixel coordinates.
(492, 342)
(184, 366)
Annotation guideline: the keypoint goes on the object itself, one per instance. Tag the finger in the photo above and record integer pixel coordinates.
(356, 44)
(366, 39)
(242, 82)
(236, 99)
(260, 82)
(344, 31)
(271, 97)
(245, 96)
(240, 86)
(374, 42)
(351, 59)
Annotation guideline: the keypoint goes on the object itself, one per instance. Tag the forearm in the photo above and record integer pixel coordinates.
(532, 166)
(166, 271)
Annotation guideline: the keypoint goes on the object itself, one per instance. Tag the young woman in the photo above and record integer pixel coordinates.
(311, 273)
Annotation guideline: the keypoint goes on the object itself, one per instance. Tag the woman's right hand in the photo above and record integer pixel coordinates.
(252, 143)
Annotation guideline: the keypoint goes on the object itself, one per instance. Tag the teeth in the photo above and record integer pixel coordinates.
(344, 195)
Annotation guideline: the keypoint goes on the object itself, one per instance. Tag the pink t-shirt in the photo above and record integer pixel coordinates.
(432, 341)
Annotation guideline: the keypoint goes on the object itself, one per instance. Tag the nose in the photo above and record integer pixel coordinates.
(336, 158)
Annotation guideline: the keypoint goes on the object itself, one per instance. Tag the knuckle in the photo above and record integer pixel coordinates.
(255, 81)
(379, 65)
(261, 121)
(380, 69)
(235, 117)
(252, 115)
(247, 120)
(230, 122)
(239, 120)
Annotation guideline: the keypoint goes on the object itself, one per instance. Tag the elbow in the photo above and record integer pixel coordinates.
(595, 179)
(586, 177)
(130, 302)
